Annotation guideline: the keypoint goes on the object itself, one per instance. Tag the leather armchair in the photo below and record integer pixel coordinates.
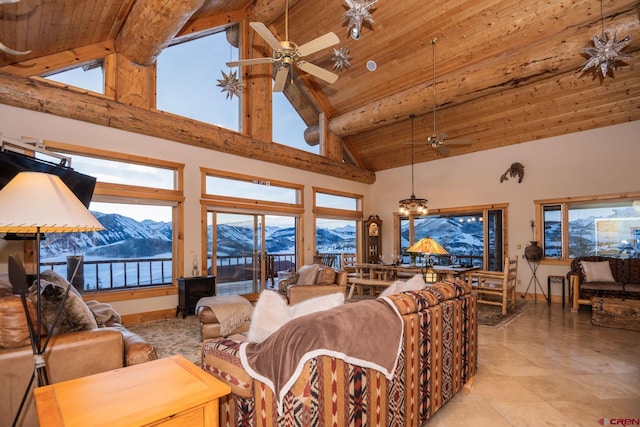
(303, 291)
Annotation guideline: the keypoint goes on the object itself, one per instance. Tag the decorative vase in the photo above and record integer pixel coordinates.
(533, 252)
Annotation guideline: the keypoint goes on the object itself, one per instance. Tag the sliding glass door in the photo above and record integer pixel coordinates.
(246, 250)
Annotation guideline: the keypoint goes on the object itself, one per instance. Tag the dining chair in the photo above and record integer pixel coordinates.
(496, 287)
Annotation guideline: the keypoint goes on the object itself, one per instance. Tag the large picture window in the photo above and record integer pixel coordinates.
(137, 200)
(598, 225)
(472, 237)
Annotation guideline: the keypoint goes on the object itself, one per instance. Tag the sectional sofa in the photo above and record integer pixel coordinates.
(343, 375)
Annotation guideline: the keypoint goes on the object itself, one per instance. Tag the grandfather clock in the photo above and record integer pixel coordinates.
(373, 238)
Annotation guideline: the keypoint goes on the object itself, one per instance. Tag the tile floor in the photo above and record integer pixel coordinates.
(550, 367)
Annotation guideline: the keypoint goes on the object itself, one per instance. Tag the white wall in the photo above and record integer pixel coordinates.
(15, 122)
(600, 161)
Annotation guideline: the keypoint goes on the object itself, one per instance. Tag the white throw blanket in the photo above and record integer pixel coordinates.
(230, 310)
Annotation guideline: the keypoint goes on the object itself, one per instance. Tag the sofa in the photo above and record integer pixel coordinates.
(432, 335)
(590, 277)
(69, 354)
(311, 281)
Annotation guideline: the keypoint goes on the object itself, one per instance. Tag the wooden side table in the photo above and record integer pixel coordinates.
(171, 391)
(191, 289)
(555, 279)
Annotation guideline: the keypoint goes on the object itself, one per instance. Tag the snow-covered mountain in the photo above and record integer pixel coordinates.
(125, 237)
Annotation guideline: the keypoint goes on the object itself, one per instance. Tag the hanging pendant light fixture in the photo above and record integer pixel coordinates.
(606, 51)
(413, 205)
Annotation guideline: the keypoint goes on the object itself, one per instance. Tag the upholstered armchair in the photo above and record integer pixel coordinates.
(312, 281)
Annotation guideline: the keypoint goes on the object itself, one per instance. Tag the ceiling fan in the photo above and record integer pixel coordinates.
(439, 140)
(287, 53)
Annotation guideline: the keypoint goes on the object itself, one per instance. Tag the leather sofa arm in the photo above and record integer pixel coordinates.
(298, 293)
(71, 355)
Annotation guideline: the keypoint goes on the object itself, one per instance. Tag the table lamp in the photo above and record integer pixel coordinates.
(427, 246)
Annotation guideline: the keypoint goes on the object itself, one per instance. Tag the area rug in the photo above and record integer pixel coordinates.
(172, 336)
(491, 315)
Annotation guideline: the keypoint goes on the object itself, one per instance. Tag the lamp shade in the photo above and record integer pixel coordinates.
(35, 202)
(427, 245)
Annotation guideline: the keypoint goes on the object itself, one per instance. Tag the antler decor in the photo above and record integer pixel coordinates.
(516, 169)
(4, 48)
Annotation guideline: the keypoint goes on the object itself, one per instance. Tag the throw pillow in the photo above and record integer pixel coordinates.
(416, 283)
(56, 279)
(308, 274)
(269, 314)
(312, 305)
(597, 271)
(326, 276)
(75, 315)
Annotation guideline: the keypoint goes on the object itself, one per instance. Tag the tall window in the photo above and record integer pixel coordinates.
(136, 200)
(288, 127)
(338, 218)
(606, 225)
(253, 230)
(472, 237)
(187, 78)
(89, 77)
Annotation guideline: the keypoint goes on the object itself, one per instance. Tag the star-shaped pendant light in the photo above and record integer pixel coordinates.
(230, 84)
(341, 59)
(357, 13)
(605, 53)
(606, 50)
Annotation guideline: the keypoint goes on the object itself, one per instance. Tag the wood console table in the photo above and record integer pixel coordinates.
(165, 392)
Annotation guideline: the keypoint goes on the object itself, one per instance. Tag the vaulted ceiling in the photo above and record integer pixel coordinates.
(507, 71)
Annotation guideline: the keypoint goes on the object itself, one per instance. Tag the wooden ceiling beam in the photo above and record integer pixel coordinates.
(151, 26)
(43, 96)
(498, 73)
(60, 61)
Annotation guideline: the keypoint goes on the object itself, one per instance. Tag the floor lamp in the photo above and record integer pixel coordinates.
(427, 247)
(35, 202)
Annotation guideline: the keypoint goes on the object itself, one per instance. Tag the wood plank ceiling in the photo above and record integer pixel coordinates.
(507, 71)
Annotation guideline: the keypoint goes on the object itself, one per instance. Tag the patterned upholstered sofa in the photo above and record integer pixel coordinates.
(625, 285)
(436, 356)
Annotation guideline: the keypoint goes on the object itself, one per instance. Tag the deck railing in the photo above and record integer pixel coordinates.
(135, 273)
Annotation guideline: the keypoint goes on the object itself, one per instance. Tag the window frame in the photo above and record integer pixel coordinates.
(466, 210)
(114, 193)
(342, 214)
(228, 204)
(565, 203)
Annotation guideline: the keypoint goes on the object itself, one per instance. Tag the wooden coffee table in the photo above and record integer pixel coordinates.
(170, 391)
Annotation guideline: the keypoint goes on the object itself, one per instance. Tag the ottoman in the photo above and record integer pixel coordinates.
(223, 315)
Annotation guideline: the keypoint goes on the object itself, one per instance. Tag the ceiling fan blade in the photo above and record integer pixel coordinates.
(264, 32)
(314, 70)
(281, 79)
(459, 141)
(442, 150)
(252, 61)
(322, 42)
